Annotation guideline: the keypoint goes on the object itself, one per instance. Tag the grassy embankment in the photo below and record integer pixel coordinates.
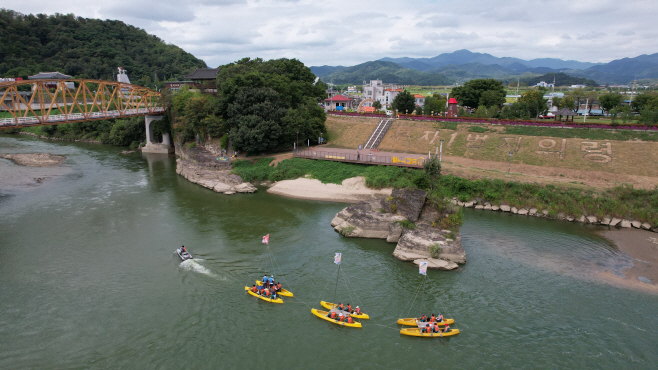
(621, 201)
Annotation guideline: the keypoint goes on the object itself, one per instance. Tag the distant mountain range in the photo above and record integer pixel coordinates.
(463, 56)
(463, 65)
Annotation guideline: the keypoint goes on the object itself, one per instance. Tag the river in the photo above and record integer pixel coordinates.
(89, 279)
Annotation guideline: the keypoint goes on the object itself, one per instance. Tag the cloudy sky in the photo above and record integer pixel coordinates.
(352, 32)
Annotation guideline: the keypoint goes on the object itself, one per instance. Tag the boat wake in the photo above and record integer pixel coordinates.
(193, 265)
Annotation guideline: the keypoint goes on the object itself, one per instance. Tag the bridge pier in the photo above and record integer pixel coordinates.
(151, 145)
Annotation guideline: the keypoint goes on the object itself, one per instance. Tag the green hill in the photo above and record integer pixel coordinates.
(561, 79)
(388, 72)
(86, 48)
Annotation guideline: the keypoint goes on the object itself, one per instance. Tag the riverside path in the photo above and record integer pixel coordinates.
(363, 156)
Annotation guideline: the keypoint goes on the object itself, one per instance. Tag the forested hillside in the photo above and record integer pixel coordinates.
(388, 72)
(86, 48)
(561, 79)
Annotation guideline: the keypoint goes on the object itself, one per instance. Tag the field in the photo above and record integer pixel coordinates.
(579, 157)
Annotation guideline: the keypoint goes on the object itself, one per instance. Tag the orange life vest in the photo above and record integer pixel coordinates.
(333, 314)
(254, 289)
(446, 329)
(349, 308)
(358, 310)
(349, 320)
(342, 307)
(267, 292)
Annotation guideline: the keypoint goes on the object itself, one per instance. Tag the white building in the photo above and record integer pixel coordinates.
(544, 84)
(374, 90)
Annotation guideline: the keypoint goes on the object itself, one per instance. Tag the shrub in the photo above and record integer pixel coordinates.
(406, 224)
(478, 129)
(435, 250)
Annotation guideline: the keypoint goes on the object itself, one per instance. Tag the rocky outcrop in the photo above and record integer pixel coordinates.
(370, 219)
(221, 181)
(415, 245)
(406, 202)
(366, 220)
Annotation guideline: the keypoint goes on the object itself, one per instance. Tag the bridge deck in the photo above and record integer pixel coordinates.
(75, 117)
(364, 156)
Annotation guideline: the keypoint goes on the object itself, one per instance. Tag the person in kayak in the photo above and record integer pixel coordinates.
(349, 320)
(423, 318)
(332, 315)
(271, 280)
(182, 249)
(340, 316)
(349, 308)
(265, 280)
(432, 318)
(254, 289)
(357, 310)
(278, 286)
(340, 305)
(446, 329)
(436, 328)
(439, 318)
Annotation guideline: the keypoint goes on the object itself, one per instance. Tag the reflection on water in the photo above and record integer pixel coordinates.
(90, 279)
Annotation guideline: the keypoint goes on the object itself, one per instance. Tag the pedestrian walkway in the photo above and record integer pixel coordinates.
(364, 156)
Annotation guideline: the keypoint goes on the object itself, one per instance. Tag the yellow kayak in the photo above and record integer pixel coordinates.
(323, 316)
(333, 305)
(278, 300)
(283, 292)
(412, 321)
(415, 332)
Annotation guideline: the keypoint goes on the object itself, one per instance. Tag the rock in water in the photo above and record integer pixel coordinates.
(406, 202)
(366, 220)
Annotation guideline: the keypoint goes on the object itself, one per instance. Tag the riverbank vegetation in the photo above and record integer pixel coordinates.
(120, 132)
(621, 201)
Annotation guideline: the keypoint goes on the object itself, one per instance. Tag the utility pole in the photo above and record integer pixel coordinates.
(441, 150)
(518, 81)
(585, 114)
(510, 162)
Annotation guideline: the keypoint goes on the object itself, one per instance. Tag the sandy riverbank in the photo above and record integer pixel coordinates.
(642, 247)
(350, 191)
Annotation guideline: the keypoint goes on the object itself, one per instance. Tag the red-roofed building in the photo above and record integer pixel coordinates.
(338, 102)
(420, 100)
(452, 108)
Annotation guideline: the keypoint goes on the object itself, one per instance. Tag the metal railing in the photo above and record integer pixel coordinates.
(369, 158)
(54, 118)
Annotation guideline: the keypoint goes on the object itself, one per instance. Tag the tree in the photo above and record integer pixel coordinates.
(435, 103)
(404, 103)
(265, 103)
(472, 93)
(492, 98)
(419, 110)
(535, 102)
(432, 169)
(377, 105)
(610, 101)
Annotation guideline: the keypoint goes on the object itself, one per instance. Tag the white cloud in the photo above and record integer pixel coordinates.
(350, 32)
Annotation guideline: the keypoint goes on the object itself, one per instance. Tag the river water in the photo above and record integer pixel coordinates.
(89, 279)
